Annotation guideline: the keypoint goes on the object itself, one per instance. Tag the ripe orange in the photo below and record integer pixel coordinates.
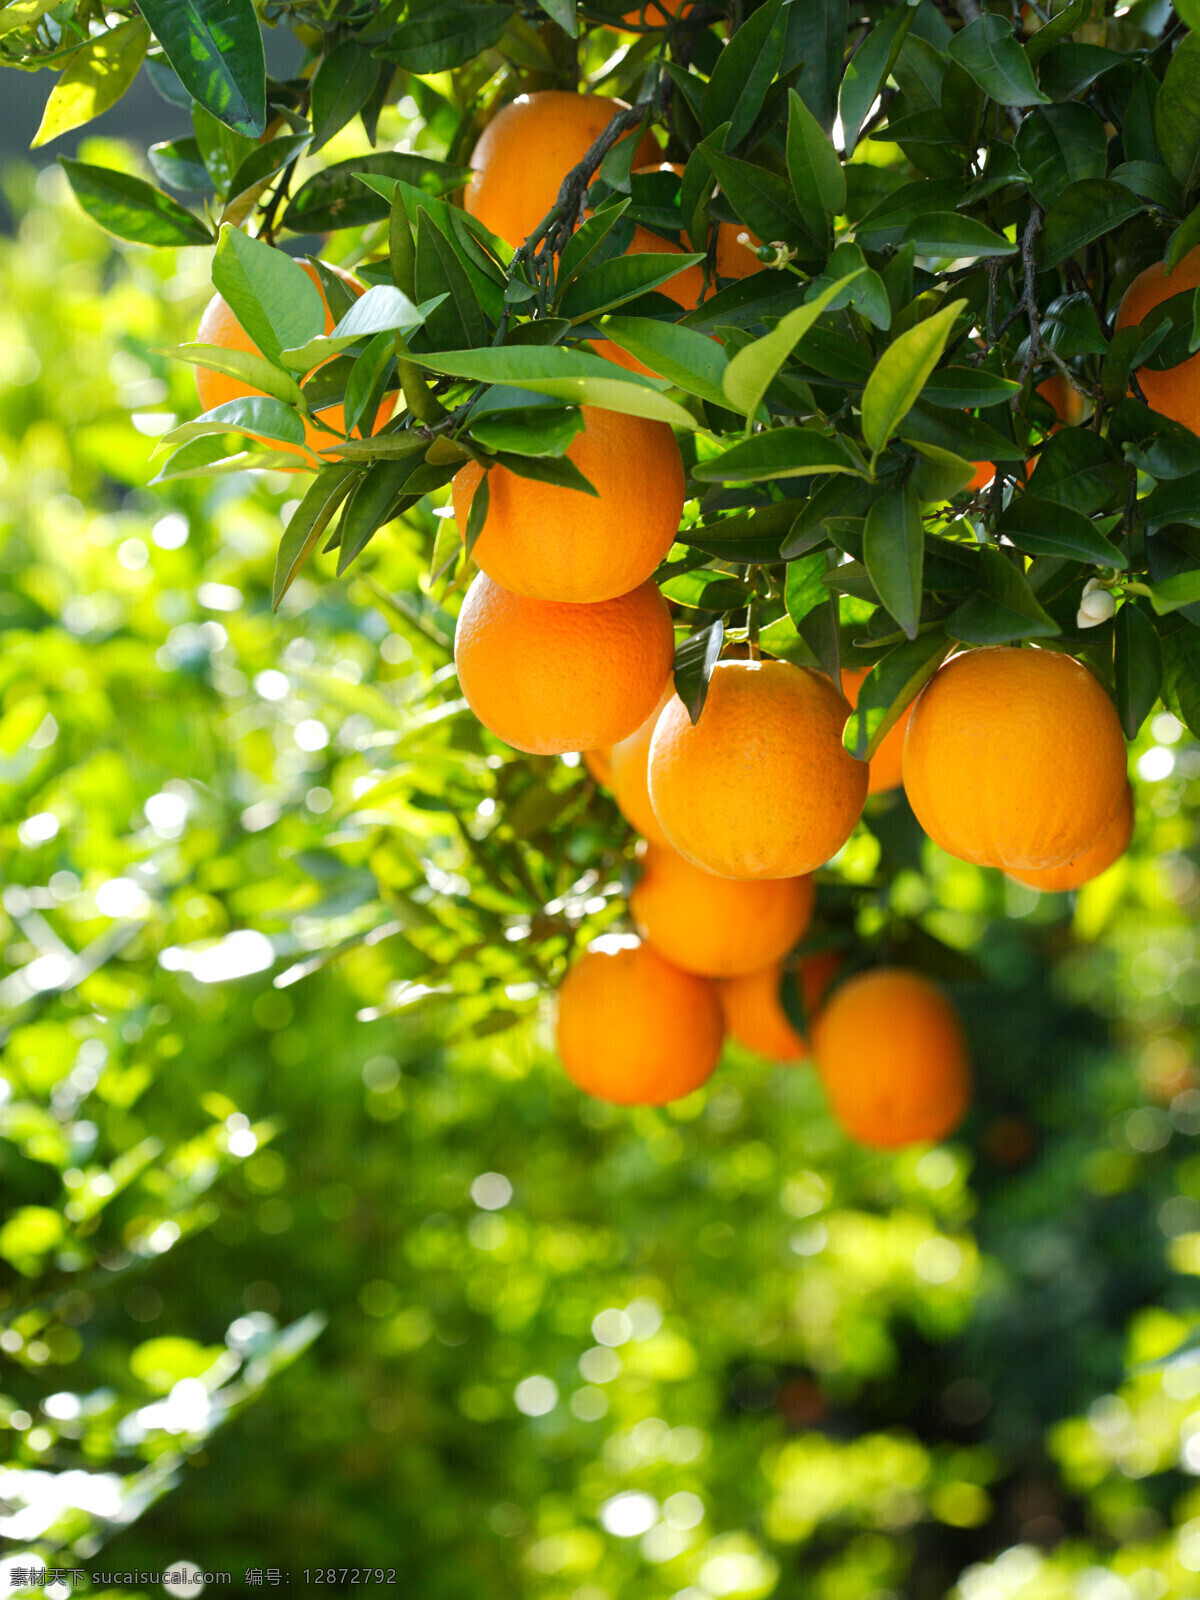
(599, 765)
(1067, 402)
(656, 13)
(754, 1013)
(1174, 393)
(717, 927)
(893, 1060)
(634, 1029)
(527, 149)
(628, 759)
(885, 763)
(219, 326)
(549, 543)
(761, 787)
(1014, 758)
(1111, 844)
(547, 678)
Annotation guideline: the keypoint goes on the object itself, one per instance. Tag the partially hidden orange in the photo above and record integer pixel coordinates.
(1111, 845)
(754, 1013)
(547, 677)
(893, 1059)
(1014, 758)
(717, 927)
(1175, 392)
(550, 543)
(219, 326)
(761, 786)
(885, 763)
(1067, 403)
(636, 1030)
(628, 760)
(527, 149)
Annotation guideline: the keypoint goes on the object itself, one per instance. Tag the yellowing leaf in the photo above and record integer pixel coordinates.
(97, 76)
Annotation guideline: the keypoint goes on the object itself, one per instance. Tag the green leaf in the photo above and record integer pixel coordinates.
(533, 431)
(477, 515)
(901, 373)
(868, 69)
(987, 50)
(949, 233)
(562, 12)
(625, 277)
(744, 72)
(368, 507)
(754, 536)
(1079, 468)
(1185, 239)
(1182, 589)
(1005, 609)
(402, 250)
(968, 386)
(1068, 19)
(216, 48)
(95, 77)
(817, 40)
(1181, 661)
(890, 687)
(560, 471)
(867, 293)
(441, 37)
(803, 588)
(782, 638)
(20, 13)
(1138, 660)
(571, 375)
(222, 149)
(381, 309)
(1177, 500)
(132, 208)
(818, 181)
(691, 361)
(587, 239)
(821, 632)
(457, 320)
(1084, 212)
(341, 87)
(308, 522)
(752, 371)
(340, 197)
(1177, 113)
(959, 433)
(695, 659)
(894, 554)
(258, 417)
(1059, 146)
(777, 453)
(272, 297)
(243, 365)
(256, 172)
(761, 199)
(1044, 528)
(368, 377)
(706, 591)
(179, 164)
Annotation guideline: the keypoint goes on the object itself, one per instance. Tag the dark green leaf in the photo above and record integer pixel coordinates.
(820, 629)
(752, 371)
(1069, 18)
(216, 48)
(706, 591)
(890, 687)
(867, 70)
(368, 507)
(817, 39)
(368, 377)
(337, 198)
(340, 88)
(901, 373)
(948, 233)
(894, 554)
(761, 199)
(1181, 663)
(132, 208)
(1005, 609)
(256, 171)
(1177, 113)
(531, 431)
(1176, 500)
(1153, 182)
(818, 181)
(884, 223)
(477, 515)
(755, 536)
(987, 50)
(695, 659)
(1042, 527)
(179, 164)
(1082, 213)
(308, 522)
(614, 282)
(1059, 146)
(1139, 667)
(968, 386)
(865, 291)
(562, 12)
(272, 297)
(778, 453)
(560, 471)
(436, 39)
(744, 72)
(1079, 468)
(587, 239)
(402, 250)
(222, 149)
(458, 322)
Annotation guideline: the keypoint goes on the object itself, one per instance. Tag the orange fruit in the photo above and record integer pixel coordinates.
(1014, 758)
(599, 765)
(761, 787)
(628, 760)
(219, 326)
(885, 763)
(550, 543)
(717, 927)
(547, 677)
(634, 1029)
(1067, 402)
(656, 13)
(892, 1057)
(1111, 844)
(1174, 393)
(527, 149)
(754, 1013)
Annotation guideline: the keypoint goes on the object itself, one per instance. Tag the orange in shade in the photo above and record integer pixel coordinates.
(885, 763)
(754, 1013)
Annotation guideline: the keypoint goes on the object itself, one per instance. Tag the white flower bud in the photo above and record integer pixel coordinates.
(1096, 605)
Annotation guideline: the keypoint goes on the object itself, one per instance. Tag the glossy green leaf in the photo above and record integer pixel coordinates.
(256, 171)
(178, 164)
(308, 522)
(803, 588)
(365, 385)
(216, 48)
(95, 77)
(1079, 468)
(272, 297)
(339, 197)
(534, 431)
(1044, 528)
(752, 371)
(777, 453)
(369, 507)
(587, 239)
(901, 373)
(816, 174)
(894, 554)
(259, 417)
(867, 70)
(761, 199)
(968, 386)
(243, 365)
(1082, 213)
(341, 87)
(441, 37)
(1177, 113)
(890, 687)
(1138, 660)
(695, 659)
(132, 208)
(949, 233)
(816, 40)
(614, 282)
(743, 73)
(1005, 609)
(457, 320)
(1059, 146)
(691, 361)
(380, 310)
(987, 50)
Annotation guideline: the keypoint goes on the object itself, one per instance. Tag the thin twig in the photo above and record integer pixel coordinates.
(1029, 292)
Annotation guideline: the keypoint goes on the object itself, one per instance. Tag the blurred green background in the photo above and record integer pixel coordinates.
(311, 1257)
